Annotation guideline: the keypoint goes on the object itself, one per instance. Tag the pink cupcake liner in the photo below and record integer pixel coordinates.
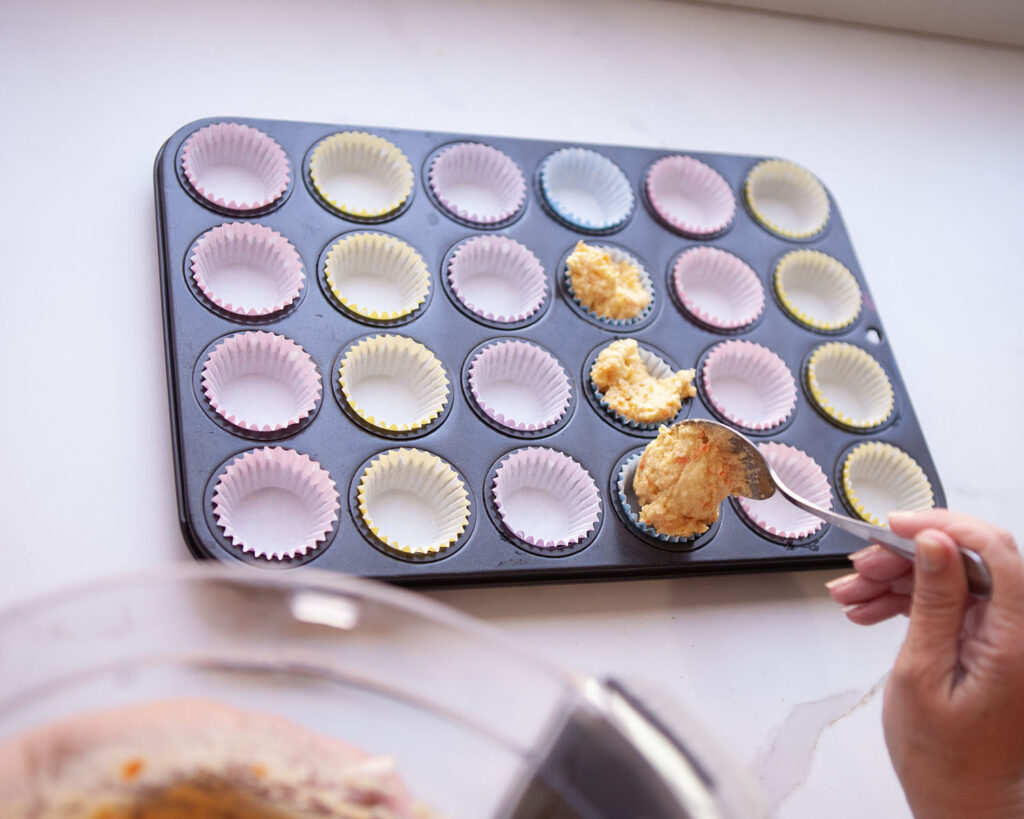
(749, 385)
(477, 183)
(718, 288)
(520, 385)
(801, 473)
(247, 269)
(261, 382)
(690, 196)
(235, 166)
(497, 278)
(546, 498)
(275, 503)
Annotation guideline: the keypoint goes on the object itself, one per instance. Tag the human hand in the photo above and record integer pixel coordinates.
(954, 703)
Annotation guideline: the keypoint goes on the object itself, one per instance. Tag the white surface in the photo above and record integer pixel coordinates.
(918, 139)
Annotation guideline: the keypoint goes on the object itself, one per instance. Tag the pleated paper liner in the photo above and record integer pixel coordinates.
(849, 387)
(748, 385)
(360, 176)
(787, 199)
(689, 196)
(717, 289)
(412, 504)
(817, 290)
(585, 190)
(477, 184)
(274, 505)
(235, 169)
(642, 297)
(878, 478)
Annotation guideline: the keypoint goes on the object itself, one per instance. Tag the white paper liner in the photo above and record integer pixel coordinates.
(690, 196)
(850, 385)
(275, 503)
(361, 174)
(546, 498)
(247, 269)
(718, 288)
(787, 198)
(261, 382)
(413, 501)
(477, 183)
(879, 478)
(497, 278)
(658, 368)
(631, 505)
(519, 385)
(817, 289)
(619, 256)
(235, 166)
(801, 473)
(376, 276)
(586, 189)
(393, 382)
(749, 384)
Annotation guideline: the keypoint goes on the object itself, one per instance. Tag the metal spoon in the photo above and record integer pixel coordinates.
(762, 481)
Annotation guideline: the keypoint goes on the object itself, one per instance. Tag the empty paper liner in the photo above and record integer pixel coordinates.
(275, 503)
(637, 387)
(817, 290)
(801, 473)
(749, 385)
(690, 196)
(413, 501)
(609, 285)
(631, 505)
(497, 278)
(879, 478)
(477, 183)
(718, 288)
(546, 498)
(787, 199)
(360, 174)
(849, 386)
(585, 189)
(376, 276)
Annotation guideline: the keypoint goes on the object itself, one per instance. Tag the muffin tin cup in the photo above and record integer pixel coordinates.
(776, 516)
(497, 280)
(360, 176)
(849, 387)
(748, 385)
(619, 255)
(877, 478)
(787, 199)
(689, 196)
(477, 184)
(585, 190)
(817, 291)
(717, 289)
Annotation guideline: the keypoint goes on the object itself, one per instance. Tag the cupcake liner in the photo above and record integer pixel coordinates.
(849, 385)
(817, 290)
(275, 503)
(631, 506)
(376, 276)
(235, 166)
(586, 189)
(546, 498)
(361, 174)
(658, 368)
(247, 269)
(718, 288)
(477, 183)
(880, 478)
(497, 278)
(519, 385)
(787, 198)
(749, 385)
(393, 383)
(261, 382)
(413, 501)
(690, 196)
(618, 256)
(801, 473)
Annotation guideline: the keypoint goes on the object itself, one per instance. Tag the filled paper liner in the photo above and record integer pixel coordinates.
(519, 385)
(801, 473)
(586, 189)
(275, 503)
(631, 505)
(718, 288)
(817, 290)
(235, 166)
(620, 256)
(690, 196)
(849, 385)
(247, 269)
(361, 174)
(545, 498)
(477, 183)
(658, 368)
(413, 501)
(393, 382)
(787, 198)
(880, 478)
(749, 385)
(261, 382)
(376, 276)
(497, 278)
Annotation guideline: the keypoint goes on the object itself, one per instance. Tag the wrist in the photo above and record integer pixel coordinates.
(954, 800)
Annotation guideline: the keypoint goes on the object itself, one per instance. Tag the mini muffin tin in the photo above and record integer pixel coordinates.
(500, 347)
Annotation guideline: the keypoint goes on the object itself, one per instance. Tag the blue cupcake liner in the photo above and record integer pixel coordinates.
(629, 503)
(616, 185)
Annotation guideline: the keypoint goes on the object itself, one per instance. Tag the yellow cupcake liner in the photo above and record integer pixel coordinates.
(399, 268)
(415, 389)
(849, 385)
(361, 174)
(817, 290)
(787, 198)
(417, 477)
(879, 478)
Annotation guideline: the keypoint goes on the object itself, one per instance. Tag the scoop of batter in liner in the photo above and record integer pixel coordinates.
(611, 289)
(629, 388)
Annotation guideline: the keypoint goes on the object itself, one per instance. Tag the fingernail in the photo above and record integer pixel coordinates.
(852, 607)
(931, 554)
(839, 582)
(860, 555)
(900, 517)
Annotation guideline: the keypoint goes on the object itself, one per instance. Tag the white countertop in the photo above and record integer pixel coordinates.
(919, 140)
